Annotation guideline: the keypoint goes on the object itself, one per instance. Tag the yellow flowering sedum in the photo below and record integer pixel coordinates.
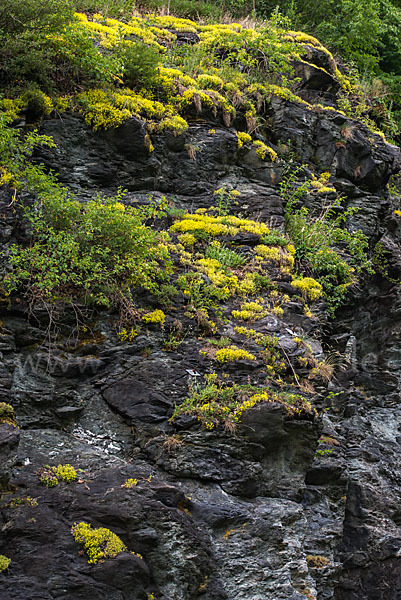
(309, 287)
(98, 543)
(157, 316)
(233, 353)
(4, 562)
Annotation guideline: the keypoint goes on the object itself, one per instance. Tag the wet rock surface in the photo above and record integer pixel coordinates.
(284, 508)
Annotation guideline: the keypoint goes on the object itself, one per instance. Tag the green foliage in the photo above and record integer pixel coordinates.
(95, 257)
(335, 255)
(41, 43)
(275, 238)
(215, 403)
(365, 33)
(93, 253)
(226, 256)
(139, 65)
(108, 8)
(26, 29)
(209, 11)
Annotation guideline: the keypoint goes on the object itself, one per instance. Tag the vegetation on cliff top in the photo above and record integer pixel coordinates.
(102, 252)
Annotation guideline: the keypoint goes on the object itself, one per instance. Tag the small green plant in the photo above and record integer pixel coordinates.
(324, 452)
(275, 238)
(139, 64)
(224, 198)
(23, 501)
(219, 343)
(226, 256)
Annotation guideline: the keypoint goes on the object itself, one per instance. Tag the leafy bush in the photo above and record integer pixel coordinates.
(42, 43)
(97, 257)
(335, 255)
(93, 253)
(139, 65)
(25, 30)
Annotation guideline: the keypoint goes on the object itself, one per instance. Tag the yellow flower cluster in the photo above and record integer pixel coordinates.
(157, 316)
(233, 353)
(250, 403)
(243, 138)
(126, 335)
(250, 311)
(262, 150)
(187, 239)
(51, 476)
(66, 473)
(98, 543)
(4, 562)
(320, 185)
(111, 32)
(220, 225)
(276, 254)
(309, 287)
(130, 483)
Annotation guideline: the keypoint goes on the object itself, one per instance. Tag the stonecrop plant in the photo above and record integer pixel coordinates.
(99, 543)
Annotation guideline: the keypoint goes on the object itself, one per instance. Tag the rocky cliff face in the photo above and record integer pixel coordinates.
(286, 506)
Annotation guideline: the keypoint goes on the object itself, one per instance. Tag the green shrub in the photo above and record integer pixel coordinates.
(139, 65)
(42, 43)
(91, 253)
(25, 31)
(335, 255)
(97, 258)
